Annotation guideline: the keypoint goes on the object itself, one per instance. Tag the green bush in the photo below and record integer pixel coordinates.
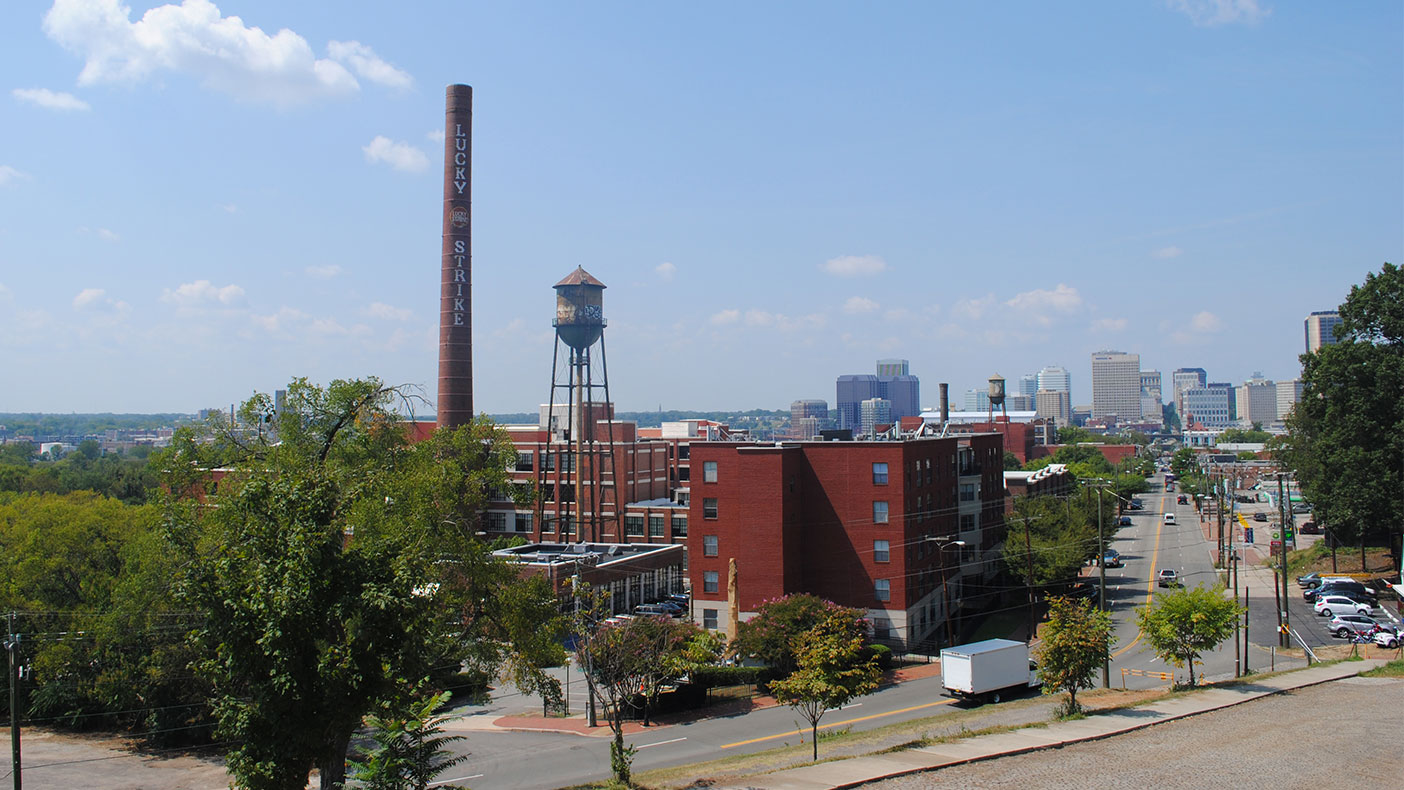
(716, 677)
(883, 654)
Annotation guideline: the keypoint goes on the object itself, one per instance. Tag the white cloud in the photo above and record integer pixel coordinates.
(368, 65)
(1039, 302)
(666, 270)
(401, 156)
(102, 233)
(279, 320)
(973, 309)
(1109, 325)
(222, 52)
(726, 317)
(324, 272)
(230, 208)
(437, 135)
(1205, 322)
(50, 100)
(87, 296)
(8, 174)
(855, 266)
(1211, 13)
(382, 310)
(859, 304)
(1165, 253)
(4, 293)
(202, 292)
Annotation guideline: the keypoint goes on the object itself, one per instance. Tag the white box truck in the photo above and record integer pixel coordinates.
(988, 670)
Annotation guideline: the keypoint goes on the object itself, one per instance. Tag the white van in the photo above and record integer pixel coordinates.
(1169, 518)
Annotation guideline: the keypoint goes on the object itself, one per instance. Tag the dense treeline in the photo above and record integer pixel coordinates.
(127, 477)
(84, 424)
(86, 580)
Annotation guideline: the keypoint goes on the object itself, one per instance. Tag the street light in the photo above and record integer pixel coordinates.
(945, 578)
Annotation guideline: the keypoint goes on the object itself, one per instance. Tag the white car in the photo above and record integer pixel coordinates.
(1169, 518)
(1327, 605)
(1386, 639)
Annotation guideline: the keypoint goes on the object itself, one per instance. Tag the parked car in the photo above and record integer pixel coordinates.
(1330, 605)
(653, 609)
(1260, 516)
(680, 599)
(1346, 624)
(1310, 580)
(1167, 577)
(1182, 500)
(1387, 639)
(1137, 504)
(674, 608)
(1301, 507)
(1111, 559)
(1309, 528)
(1336, 586)
(1124, 521)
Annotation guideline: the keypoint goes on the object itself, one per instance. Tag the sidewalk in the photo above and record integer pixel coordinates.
(860, 770)
(576, 724)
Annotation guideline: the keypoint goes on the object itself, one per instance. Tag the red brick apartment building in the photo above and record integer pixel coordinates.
(869, 524)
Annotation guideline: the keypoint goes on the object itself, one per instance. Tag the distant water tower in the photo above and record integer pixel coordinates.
(997, 400)
(586, 480)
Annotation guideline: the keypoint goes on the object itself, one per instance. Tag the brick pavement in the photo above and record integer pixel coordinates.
(1256, 744)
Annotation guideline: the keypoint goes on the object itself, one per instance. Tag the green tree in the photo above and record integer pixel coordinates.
(625, 662)
(1075, 643)
(1345, 437)
(772, 635)
(1181, 625)
(1055, 533)
(410, 748)
(834, 666)
(1011, 461)
(335, 565)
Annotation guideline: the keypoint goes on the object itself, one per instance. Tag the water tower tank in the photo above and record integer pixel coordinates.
(579, 318)
(996, 390)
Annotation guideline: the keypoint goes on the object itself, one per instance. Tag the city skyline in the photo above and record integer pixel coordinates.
(1182, 180)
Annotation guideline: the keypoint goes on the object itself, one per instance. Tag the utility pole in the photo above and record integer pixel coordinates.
(1247, 596)
(1102, 573)
(1282, 533)
(1028, 553)
(12, 643)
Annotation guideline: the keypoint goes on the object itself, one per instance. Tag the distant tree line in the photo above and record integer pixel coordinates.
(32, 423)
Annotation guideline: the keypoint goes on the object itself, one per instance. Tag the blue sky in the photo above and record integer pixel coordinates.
(202, 200)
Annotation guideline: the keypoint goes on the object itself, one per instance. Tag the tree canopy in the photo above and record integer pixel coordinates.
(337, 567)
(1183, 624)
(833, 667)
(773, 635)
(1075, 643)
(1345, 437)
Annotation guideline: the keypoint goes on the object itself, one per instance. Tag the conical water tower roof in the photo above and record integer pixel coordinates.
(580, 277)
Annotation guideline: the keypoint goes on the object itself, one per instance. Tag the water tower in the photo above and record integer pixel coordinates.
(582, 495)
(997, 402)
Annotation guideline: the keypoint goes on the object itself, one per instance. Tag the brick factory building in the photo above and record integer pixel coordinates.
(868, 524)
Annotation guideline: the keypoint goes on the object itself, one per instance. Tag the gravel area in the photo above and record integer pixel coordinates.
(1256, 744)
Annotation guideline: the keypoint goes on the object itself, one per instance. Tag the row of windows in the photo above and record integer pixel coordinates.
(633, 525)
(711, 583)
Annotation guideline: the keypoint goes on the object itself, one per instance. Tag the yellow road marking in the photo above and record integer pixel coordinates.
(1150, 583)
(841, 723)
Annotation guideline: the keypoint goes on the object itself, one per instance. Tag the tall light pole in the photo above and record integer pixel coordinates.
(945, 578)
(1099, 484)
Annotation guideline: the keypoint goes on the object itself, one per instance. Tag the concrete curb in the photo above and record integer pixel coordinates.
(859, 771)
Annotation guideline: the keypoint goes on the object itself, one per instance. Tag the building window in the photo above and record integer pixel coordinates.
(709, 471)
(634, 526)
(496, 522)
(684, 474)
(709, 545)
(881, 551)
(883, 589)
(523, 522)
(709, 508)
(524, 462)
(882, 629)
(684, 452)
(709, 581)
(879, 474)
(709, 619)
(548, 462)
(655, 526)
(880, 512)
(967, 491)
(567, 462)
(967, 522)
(679, 526)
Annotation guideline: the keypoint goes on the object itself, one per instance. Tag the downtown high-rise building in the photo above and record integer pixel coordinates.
(892, 383)
(1056, 379)
(1320, 329)
(1054, 405)
(808, 417)
(1256, 401)
(1288, 393)
(1116, 386)
(1181, 380)
(1028, 385)
(1151, 401)
(872, 413)
(1208, 406)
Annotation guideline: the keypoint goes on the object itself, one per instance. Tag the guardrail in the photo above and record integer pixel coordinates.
(1142, 673)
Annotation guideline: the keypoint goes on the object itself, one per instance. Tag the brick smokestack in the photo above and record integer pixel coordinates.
(456, 280)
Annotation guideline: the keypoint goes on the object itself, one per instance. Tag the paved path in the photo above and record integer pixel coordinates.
(858, 771)
(1250, 745)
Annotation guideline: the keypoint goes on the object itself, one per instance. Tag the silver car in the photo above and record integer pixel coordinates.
(1346, 624)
